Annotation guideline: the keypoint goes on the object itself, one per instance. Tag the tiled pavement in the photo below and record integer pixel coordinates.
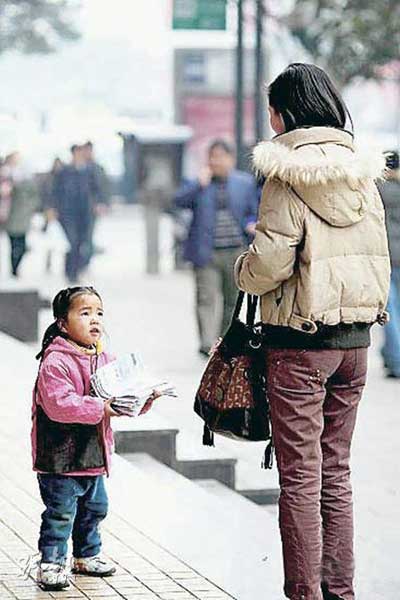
(144, 570)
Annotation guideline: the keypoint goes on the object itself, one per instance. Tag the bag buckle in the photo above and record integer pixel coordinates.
(255, 344)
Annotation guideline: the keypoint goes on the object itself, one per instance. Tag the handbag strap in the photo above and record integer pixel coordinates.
(238, 307)
(252, 302)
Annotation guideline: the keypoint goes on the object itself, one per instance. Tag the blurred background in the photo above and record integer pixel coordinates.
(84, 69)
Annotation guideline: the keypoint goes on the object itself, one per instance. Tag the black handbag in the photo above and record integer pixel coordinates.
(232, 396)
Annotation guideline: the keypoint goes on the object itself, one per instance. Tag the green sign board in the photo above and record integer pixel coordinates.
(199, 14)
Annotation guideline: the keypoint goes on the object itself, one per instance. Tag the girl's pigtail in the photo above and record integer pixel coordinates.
(50, 334)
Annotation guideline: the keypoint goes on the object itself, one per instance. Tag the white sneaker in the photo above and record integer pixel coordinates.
(95, 566)
(52, 576)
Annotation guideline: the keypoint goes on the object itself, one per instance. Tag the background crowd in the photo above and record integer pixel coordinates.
(74, 193)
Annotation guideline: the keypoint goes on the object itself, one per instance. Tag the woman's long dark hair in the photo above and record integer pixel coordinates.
(61, 305)
(305, 96)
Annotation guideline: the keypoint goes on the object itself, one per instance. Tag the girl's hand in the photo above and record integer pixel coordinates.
(149, 402)
(108, 410)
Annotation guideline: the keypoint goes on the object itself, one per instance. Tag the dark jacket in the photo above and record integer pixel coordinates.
(243, 203)
(390, 192)
(99, 184)
(72, 193)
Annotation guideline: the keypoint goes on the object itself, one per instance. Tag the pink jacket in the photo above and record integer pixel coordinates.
(63, 393)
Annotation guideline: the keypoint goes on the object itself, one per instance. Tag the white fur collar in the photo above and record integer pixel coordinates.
(291, 159)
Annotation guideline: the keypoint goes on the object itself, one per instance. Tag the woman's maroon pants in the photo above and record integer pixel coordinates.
(314, 395)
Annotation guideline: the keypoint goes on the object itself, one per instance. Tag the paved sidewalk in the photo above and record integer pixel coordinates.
(145, 568)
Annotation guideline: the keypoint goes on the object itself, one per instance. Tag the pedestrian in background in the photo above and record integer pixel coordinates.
(23, 203)
(390, 192)
(100, 191)
(72, 202)
(224, 205)
(46, 188)
(320, 263)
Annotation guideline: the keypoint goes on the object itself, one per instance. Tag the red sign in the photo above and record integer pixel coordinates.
(213, 117)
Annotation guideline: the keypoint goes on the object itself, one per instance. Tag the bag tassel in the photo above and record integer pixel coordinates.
(208, 436)
(268, 460)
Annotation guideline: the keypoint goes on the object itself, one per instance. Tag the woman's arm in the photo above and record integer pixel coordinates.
(61, 402)
(271, 257)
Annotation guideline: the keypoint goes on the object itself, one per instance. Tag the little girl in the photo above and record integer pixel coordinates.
(72, 439)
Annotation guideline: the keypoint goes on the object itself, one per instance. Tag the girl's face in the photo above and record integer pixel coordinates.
(276, 121)
(84, 322)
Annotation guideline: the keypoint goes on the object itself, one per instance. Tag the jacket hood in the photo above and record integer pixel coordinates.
(324, 169)
(62, 345)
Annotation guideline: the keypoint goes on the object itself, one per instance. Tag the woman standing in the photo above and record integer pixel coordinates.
(24, 201)
(320, 263)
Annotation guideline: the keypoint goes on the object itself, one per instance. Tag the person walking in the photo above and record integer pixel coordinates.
(320, 264)
(46, 196)
(23, 203)
(224, 205)
(72, 203)
(100, 191)
(390, 192)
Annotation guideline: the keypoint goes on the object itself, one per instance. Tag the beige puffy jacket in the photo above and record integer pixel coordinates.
(320, 252)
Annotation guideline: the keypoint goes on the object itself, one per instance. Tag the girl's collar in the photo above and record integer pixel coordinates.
(91, 351)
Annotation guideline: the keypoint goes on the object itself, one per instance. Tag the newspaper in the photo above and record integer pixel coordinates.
(129, 383)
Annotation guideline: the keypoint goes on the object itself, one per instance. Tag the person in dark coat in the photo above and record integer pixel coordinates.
(46, 188)
(224, 204)
(72, 199)
(100, 191)
(390, 192)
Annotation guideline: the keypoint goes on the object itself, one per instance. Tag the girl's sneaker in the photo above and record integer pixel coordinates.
(94, 566)
(52, 576)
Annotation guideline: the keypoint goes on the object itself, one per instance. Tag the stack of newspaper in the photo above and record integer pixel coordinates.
(129, 383)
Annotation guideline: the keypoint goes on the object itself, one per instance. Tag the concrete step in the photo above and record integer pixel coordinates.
(232, 541)
(161, 445)
(237, 499)
(235, 464)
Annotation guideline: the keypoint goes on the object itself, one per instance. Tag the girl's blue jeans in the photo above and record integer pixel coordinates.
(74, 505)
(391, 347)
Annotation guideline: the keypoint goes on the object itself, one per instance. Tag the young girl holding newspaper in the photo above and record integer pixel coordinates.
(72, 439)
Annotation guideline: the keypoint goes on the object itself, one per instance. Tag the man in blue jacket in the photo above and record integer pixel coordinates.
(74, 191)
(224, 203)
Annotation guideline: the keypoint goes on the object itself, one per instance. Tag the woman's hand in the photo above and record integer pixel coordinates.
(149, 402)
